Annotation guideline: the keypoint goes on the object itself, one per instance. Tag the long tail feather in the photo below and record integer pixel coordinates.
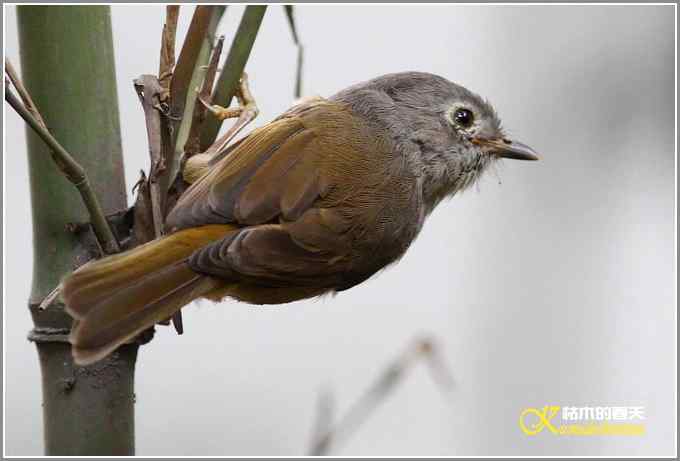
(116, 298)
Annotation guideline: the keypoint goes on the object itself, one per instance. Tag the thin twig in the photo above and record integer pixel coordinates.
(298, 71)
(325, 414)
(192, 146)
(167, 59)
(300, 51)
(440, 372)
(23, 93)
(378, 392)
(211, 73)
(74, 173)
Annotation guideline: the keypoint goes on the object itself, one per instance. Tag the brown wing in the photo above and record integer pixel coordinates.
(270, 185)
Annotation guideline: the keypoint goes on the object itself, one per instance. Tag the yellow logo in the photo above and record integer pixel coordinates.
(582, 420)
(544, 416)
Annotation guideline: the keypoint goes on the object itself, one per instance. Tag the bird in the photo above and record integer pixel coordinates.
(314, 202)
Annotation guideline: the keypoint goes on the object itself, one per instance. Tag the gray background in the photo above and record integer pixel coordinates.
(549, 283)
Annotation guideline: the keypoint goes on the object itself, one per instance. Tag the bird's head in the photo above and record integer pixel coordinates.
(453, 133)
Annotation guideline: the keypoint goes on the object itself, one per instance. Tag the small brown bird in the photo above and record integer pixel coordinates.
(316, 201)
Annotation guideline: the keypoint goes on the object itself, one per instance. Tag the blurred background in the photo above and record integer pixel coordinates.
(549, 283)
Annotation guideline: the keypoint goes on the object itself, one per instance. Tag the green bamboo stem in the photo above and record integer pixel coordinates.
(67, 66)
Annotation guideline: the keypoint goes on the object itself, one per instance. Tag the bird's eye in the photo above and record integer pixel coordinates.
(463, 117)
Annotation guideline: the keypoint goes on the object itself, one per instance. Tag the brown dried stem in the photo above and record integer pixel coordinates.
(167, 60)
(149, 91)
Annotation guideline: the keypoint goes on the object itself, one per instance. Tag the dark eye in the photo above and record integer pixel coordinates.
(463, 117)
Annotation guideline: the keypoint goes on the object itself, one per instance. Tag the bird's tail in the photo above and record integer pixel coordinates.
(114, 299)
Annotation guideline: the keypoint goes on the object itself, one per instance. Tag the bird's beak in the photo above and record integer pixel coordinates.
(507, 149)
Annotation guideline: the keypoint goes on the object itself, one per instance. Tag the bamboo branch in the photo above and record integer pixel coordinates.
(23, 92)
(74, 173)
(423, 348)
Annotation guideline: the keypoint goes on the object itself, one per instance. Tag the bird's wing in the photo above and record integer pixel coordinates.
(273, 172)
(270, 185)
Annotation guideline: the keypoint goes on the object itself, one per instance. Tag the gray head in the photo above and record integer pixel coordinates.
(450, 134)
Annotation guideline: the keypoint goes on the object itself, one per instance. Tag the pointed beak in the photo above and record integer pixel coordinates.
(507, 149)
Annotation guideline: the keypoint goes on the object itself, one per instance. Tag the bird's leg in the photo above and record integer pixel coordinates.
(197, 165)
(244, 113)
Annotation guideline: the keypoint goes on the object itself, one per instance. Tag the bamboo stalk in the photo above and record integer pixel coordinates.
(67, 66)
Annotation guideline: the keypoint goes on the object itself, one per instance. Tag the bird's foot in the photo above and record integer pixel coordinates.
(245, 113)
